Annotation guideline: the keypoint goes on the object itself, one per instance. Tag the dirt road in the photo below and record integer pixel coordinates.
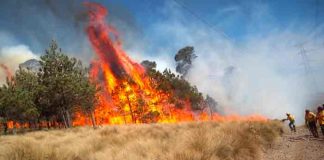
(297, 146)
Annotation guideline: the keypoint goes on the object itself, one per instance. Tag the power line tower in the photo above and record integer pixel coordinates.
(307, 67)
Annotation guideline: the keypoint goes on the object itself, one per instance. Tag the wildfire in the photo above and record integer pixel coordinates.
(128, 95)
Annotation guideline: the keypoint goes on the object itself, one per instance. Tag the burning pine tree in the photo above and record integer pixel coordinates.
(132, 93)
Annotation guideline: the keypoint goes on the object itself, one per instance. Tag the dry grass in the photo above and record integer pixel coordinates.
(186, 141)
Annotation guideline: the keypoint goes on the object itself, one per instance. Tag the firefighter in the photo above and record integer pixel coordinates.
(310, 121)
(291, 120)
(320, 118)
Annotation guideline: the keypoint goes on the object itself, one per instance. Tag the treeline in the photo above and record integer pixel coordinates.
(50, 96)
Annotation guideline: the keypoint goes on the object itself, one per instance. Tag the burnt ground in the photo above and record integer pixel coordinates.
(297, 146)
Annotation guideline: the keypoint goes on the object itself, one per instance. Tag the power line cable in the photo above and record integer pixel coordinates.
(209, 25)
(316, 13)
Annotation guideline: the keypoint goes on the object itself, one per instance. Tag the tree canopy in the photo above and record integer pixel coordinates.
(58, 89)
(184, 59)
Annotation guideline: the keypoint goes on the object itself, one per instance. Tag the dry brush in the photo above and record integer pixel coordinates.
(183, 141)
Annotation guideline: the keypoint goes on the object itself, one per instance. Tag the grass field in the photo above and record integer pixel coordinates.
(183, 141)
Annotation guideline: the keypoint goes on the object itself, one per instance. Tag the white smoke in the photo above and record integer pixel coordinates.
(264, 74)
(12, 56)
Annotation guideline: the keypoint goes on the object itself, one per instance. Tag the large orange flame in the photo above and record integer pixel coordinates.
(128, 95)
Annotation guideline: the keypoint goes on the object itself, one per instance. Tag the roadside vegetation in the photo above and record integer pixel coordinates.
(182, 141)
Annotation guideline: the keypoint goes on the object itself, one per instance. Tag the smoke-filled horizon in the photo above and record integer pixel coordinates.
(258, 70)
(266, 73)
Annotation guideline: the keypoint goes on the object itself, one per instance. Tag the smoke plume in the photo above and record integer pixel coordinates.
(11, 57)
(263, 74)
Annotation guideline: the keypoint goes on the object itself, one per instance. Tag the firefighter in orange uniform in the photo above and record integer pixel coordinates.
(320, 118)
(310, 121)
(291, 120)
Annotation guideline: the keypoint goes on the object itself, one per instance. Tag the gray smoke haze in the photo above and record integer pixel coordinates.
(264, 74)
(12, 56)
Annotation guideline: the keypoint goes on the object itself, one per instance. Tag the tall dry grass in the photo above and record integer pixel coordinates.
(185, 141)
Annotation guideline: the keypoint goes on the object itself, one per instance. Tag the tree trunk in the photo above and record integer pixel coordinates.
(211, 113)
(14, 129)
(130, 109)
(54, 123)
(30, 126)
(64, 120)
(5, 126)
(124, 117)
(34, 125)
(37, 124)
(93, 120)
(66, 111)
(68, 118)
(48, 123)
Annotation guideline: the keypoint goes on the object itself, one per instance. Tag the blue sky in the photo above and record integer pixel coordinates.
(237, 19)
